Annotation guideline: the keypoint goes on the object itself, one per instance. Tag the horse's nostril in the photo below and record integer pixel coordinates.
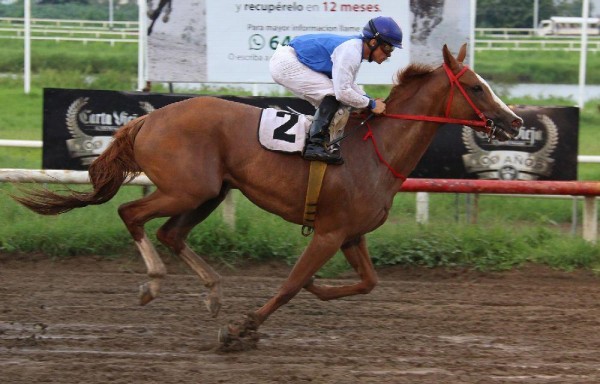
(517, 123)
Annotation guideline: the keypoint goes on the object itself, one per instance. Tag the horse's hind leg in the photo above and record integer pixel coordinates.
(357, 255)
(173, 234)
(135, 214)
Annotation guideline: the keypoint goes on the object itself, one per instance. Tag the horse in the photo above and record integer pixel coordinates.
(195, 151)
(153, 14)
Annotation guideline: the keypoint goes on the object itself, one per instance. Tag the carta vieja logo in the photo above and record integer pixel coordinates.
(526, 157)
(91, 127)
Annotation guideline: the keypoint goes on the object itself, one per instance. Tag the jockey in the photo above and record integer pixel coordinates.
(322, 69)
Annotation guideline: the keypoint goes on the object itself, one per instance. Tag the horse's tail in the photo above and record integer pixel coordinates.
(107, 173)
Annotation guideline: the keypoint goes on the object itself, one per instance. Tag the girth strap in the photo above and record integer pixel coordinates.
(315, 181)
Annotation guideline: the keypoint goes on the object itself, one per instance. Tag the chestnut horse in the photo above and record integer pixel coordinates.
(196, 150)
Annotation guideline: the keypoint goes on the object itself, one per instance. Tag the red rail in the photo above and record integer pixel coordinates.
(573, 188)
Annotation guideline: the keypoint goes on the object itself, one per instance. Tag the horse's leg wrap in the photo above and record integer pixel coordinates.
(156, 270)
(211, 279)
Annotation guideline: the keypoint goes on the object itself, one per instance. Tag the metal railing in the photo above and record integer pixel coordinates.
(542, 45)
(67, 23)
(126, 32)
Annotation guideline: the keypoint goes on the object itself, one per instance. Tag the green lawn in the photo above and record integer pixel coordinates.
(510, 231)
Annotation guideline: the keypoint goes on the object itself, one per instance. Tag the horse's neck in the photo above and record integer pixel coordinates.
(404, 142)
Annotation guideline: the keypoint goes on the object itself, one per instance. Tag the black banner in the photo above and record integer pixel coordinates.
(545, 149)
(78, 125)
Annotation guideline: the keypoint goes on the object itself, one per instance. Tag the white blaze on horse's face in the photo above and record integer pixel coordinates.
(496, 98)
(504, 118)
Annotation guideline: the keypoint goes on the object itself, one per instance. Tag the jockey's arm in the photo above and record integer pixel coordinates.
(346, 59)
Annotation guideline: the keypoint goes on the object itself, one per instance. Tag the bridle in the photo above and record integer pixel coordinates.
(487, 124)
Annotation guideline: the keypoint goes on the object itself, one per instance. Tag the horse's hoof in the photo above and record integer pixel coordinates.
(145, 295)
(239, 336)
(148, 292)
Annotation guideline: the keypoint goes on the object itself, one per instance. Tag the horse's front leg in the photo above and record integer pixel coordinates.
(357, 255)
(242, 335)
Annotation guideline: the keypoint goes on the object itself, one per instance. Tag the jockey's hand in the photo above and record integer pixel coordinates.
(379, 107)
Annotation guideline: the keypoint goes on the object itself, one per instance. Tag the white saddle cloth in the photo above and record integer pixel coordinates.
(283, 131)
(286, 131)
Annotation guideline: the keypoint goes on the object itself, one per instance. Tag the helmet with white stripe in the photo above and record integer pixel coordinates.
(383, 29)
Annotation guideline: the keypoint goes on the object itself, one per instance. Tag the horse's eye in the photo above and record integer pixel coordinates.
(477, 88)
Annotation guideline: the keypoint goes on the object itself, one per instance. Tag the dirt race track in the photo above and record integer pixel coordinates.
(77, 321)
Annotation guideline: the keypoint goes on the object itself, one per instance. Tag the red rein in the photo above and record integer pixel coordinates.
(454, 83)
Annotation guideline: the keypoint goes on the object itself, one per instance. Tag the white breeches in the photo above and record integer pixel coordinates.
(302, 81)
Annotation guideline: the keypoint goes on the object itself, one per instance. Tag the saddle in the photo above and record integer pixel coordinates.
(284, 131)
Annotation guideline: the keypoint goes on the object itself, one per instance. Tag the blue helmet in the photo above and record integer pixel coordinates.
(384, 29)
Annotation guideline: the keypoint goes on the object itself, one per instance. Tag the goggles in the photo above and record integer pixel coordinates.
(386, 48)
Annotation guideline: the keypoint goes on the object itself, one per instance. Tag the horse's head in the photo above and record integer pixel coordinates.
(477, 101)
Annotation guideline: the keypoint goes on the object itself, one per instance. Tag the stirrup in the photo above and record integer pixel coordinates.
(318, 152)
(335, 152)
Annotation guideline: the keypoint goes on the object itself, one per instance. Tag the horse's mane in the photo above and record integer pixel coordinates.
(412, 72)
(409, 74)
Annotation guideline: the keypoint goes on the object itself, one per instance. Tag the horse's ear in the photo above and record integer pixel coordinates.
(449, 59)
(462, 53)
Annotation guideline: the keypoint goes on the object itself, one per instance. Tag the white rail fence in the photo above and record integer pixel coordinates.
(72, 24)
(39, 144)
(590, 216)
(127, 31)
(83, 31)
(504, 32)
(81, 177)
(541, 45)
(509, 33)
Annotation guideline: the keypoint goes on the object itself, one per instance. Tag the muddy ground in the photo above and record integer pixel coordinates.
(77, 321)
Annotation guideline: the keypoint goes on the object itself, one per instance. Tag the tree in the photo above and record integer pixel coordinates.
(570, 7)
(51, 2)
(512, 13)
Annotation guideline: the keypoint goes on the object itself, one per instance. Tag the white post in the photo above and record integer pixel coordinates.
(229, 211)
(422, 215)
(141, 44)
(472, 33)
(27, 48)
(583, 57)
(110, 14)
(590, 219)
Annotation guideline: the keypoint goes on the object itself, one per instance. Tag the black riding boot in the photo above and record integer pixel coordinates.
(318, 136)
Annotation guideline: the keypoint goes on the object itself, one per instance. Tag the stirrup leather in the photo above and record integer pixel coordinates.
(315, 181)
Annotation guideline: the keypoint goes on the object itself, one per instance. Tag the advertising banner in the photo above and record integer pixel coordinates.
(232, 41)
(546, 149)
(78, 125)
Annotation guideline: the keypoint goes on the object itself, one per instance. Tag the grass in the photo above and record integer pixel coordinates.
(545, 67)
(510, 231)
